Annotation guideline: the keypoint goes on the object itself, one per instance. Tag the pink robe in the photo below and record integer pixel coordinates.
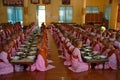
(16, 45)
(3, 35)
(18, 40)
(88, 42)
(97, 47)
(67, 57)
(22, 37)
(77, 64)
(67, 54)
(13, 51)
(40, 65)
(67, 40)
(5, 66)
(112, 61)
(62, 46)
(117, 44)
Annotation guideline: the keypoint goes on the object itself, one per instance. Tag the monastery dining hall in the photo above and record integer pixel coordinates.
(59, 39)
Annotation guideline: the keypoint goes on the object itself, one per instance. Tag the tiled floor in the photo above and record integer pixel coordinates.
(61, 72)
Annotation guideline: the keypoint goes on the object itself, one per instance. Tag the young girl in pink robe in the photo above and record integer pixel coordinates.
(77, 63)
(5, 66)
(15, 41)
(3, 35)
(66, 52)
(112, 54)
(22, 38)
(96, 45)
(88, 41)
(12, 48)
(41, 63)
(117, 43)
(62, 52)
(18, 39)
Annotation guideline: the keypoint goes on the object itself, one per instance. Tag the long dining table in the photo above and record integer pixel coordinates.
(27, 52)
(91, 57)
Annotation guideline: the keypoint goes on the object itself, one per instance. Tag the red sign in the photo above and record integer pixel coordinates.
(46, 1)
(13, 2)
(35, 1)
(66, 2)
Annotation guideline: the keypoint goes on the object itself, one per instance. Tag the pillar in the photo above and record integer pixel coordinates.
(114, 13)
(83, 11)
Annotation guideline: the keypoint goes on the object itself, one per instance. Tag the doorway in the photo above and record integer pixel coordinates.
(40, 15)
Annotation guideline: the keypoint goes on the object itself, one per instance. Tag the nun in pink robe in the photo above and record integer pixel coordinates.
(12, 49)
(40, 65)
(97, 48)
(112, 62)
(62, 47)
(112, 59)
(60, 42)
(88, 42)
(18, 41)
(67, 54)
(3, 35)
(56, 37)
(117, 43)
(77, 63)
(5, 66)
(96, 45)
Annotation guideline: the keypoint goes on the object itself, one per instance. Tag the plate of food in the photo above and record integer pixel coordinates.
(18, 53)
(21, 48)
(33, 48)
(23, 45)
(84, 45)
(15, 57)
(88, 57)
(33, 45)
(31, 57)
(32, 52)
(95, 53)
(88, 47)
(82, 52)
(102, 56)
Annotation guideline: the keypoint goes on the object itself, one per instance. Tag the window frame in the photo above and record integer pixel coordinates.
(65, 11)
(92, 9)
(15, 18)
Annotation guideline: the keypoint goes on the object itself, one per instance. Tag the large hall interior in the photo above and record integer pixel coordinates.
(59, 39)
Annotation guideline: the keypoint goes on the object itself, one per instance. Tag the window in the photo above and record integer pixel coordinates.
(15, 14)
(92, 9)
(65, 14)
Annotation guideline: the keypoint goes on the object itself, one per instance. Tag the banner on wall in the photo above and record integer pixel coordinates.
(35, 1)
(66, 2)
(110, 1)
(13, 2)
(46, 1)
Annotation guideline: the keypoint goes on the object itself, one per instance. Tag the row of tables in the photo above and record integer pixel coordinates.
(27, 52)
(93, 58)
